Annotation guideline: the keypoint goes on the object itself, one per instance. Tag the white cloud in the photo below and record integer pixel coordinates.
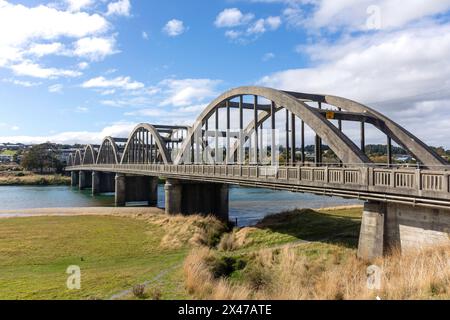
(30, 33)
(28, 68)
(174, 28)
(77, 5)
(397, 72)
(81, 109)
(56, 88)
(268, 56)
(262, 25)
(243, 25)
(257, 27)
(233, 34)
(354, 14)
(145, 35)
(232, 17)
(119, 8)
(20, 24)
(43, 49)
(273, 23)
(94, 48)
(120, 129)
(22, 83)
(124, 83)
(83, 65)
(186, 92)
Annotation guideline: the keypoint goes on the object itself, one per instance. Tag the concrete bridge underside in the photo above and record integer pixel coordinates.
(404, 207)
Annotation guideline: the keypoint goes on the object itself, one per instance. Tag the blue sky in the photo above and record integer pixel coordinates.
(77, 70)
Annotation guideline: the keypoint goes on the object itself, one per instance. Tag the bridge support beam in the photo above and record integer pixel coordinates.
(102, 182)
(85, 181)
(74, 178)
(197, 198)
(136, 189)
(387, 226)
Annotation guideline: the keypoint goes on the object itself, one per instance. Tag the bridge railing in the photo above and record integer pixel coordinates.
(403, 181)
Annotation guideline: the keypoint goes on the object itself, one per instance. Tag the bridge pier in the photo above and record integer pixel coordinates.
(182, 197)
(74, 178)
(102, 182)
(386, 226)
(85, 180)
(136, 189)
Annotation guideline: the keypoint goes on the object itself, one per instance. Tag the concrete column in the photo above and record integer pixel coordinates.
(96, 176)
(409, 228)
(223, 202)
(183, 197)
(172, 190)
(153, 194)
(102, 182)
(85, 180)
(120, 190)
(74, 178)
(135, 189)
(371, 237)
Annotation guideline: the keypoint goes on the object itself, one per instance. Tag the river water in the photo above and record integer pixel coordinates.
(248, 205)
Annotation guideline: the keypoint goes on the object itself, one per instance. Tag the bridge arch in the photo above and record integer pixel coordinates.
(145, 145)
(108, 152)
(342, 146)
(70, 160)
(400, 135)
(90, 155)
(78, 158)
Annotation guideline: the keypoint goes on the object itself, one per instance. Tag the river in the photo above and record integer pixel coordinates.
(248, 205)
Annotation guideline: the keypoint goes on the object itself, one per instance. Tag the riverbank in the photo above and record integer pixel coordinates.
(21, 178)
(311, 254)
(115, 251)
(141, 253)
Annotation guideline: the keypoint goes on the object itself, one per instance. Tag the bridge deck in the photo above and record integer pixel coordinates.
(410, 186)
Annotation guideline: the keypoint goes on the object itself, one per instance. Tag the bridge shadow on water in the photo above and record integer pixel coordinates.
(340, 227)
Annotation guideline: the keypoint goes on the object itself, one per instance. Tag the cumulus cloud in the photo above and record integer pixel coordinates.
(22, 83)
(354, 14)
(29, 33)
(77, 5)
(30, 69)
(95, 48)
(174, 28)
(244, 25)
(120, 129)
(43, 49)
(232, 17)
(184, 92)
(124, 83)
(396, 72)
(119, 8)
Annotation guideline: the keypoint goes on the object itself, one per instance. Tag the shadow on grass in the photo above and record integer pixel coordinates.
(336, 227)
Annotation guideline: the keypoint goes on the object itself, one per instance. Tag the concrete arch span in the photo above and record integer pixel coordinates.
(342, 146)
(145, 145)
(108, 152)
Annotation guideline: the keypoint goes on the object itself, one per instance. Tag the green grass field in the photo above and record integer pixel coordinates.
(114, 254)
(117, 253)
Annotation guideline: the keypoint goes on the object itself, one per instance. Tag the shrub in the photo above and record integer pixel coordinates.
(139, 291)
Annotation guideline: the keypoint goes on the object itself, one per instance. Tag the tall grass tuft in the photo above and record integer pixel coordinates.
(284, 274)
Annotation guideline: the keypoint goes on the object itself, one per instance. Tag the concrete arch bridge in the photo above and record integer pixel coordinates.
(255, 136)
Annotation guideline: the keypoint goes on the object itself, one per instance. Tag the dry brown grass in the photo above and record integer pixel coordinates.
(284, 274)
(192, 230)
(27, 178)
